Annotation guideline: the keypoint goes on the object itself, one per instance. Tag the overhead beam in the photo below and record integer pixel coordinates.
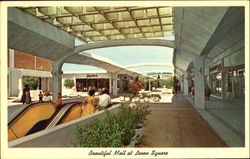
(32, 35)
(148, 64)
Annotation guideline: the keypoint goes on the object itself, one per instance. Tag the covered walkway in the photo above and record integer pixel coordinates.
(226, 118)
(178, 124)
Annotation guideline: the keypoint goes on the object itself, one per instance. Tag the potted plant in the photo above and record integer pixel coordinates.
(146, 97)
(137, 98)
(157, 97)
(141, 100)
(122, 98)
(151, 99)
(127, 98)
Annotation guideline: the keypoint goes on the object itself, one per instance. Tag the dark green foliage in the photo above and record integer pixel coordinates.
(100, 134)
(32, 82)
(69, 83)
(116, 130)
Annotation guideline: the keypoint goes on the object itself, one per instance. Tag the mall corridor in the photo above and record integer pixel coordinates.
(178, 124)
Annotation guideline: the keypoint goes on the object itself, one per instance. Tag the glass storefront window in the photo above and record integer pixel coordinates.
(241, 83)
(216, 84)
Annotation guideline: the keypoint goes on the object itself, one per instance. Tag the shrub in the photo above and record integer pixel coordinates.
(69, 83)
(32, 82)
(100, 134)
(134, 87)
(116, 130)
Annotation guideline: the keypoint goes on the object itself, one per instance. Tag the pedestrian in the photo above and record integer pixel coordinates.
(192, 90)
(59, 100)
(26, 99)
(40, 95)
(207, 92)
(104, 100)
(176, 89)
(89, 104)
(100, 90)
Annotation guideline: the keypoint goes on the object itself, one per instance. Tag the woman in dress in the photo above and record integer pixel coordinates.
(89, 104)
(26, 99)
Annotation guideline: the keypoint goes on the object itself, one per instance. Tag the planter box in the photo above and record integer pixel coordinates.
(138, 135)
(141, 100)
(132, 143)
(122, 98)
(137, 99)
(133, 100)
(127, 99)
(151, 99)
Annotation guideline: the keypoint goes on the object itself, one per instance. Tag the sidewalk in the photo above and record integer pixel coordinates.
(226, 118)
(178, 124)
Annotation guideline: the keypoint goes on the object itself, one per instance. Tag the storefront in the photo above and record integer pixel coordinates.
(85, 82)
(228, 82)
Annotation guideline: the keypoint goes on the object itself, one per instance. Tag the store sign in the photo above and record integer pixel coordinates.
(91, 76)
(223, 68)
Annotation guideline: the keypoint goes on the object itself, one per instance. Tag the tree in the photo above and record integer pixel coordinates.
(32, 82)
(69, 83)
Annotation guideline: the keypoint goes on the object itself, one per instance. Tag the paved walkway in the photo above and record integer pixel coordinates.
(178, 124)
(226, 118)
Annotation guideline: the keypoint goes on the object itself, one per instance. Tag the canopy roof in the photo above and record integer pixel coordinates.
(92, 24)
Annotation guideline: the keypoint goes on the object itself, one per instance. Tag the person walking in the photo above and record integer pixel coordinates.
(207, 92)
(89, 104)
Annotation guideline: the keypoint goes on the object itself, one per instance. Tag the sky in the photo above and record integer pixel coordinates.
(128, 55)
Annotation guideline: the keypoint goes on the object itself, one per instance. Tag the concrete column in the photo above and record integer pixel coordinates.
(223, 81)
(121, 79)
(15, 82)
(181, 84)
(44, 84)
(233, 87)
(110, 82)
(185, 84)
(114, 78)
(12, 58)
(56, 79)
(224, 85)
(199, 99)
(149, 85)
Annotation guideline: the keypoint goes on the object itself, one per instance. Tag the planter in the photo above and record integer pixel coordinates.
(133, 100)
(132, 143)
(122, 98)
(138, 135)
(140, 125)
(151, 99)
(127, 99)
(142, 100)
(137, 99)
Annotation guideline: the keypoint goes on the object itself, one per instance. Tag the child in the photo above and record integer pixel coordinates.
(40, 95)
